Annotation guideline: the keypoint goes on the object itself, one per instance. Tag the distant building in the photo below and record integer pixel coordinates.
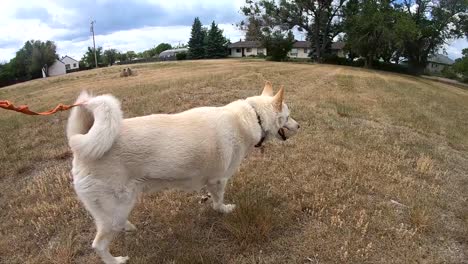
(245, 49)
(70, 63)
(60, 67)
(300, 49)
(436, 63)
(171, 54)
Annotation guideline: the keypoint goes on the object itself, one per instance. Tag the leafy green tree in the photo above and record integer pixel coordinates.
(278, 45)
(197, 40)
(368, 25)
(461, 65)
(319, 18)
(110, 56)
(122, 56)
(162, 47)
(423, 26)
(32, 57)
(131, 55)
(216, 43)
(88, 57)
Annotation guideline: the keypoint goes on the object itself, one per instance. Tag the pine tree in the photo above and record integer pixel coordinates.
(197, 38)
(216, 43)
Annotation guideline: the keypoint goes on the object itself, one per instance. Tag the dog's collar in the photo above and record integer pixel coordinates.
(259, 144)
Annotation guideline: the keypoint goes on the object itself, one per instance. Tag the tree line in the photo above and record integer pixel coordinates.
(372, 29)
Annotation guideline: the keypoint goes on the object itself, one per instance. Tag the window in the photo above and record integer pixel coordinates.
(293, 53)
(67, 66)
(249, 49)
(74, 65)
(238, 50)
(306, 51)
(261, 51)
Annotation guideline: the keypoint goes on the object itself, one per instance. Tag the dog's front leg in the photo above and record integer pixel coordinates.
(216, 189)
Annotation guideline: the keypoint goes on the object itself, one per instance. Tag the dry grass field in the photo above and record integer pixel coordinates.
(377, 174)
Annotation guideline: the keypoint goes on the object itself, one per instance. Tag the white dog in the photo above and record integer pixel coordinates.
(115, 159)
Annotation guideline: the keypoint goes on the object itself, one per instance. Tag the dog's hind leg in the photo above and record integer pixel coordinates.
(110, 211)
(216, 189)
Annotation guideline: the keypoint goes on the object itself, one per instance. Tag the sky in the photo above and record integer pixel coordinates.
(122, 25)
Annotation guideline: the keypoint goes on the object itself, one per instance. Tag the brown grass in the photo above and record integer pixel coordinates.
(378, 173)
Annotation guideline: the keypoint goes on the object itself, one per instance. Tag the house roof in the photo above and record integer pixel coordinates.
(66, 56)
(301, 44)
(245, 44)
(441, 59)
(339, 45)
(172, 52)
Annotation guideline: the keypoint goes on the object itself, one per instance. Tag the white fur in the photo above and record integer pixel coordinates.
(115, 159)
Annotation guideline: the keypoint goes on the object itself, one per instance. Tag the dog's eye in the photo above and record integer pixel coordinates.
(287, 118)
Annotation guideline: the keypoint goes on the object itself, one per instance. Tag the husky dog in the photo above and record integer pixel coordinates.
(116, 159)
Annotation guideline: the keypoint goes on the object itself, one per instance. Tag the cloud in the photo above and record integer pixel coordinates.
(454, 49)
(39, 13)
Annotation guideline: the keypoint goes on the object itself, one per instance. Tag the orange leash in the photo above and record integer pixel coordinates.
(25, 109)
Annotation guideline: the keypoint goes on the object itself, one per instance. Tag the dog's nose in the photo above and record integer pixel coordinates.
(298, 126)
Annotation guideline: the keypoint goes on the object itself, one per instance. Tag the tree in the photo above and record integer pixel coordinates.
(197, 39)
(216, 43)
(423, 26)
(162, 47)
(131, 55)
(110, 56)
(252, 28)
(368, 25)
(319, 18)
(461, 65)
(88, 57)
(278, 45)
(32, 57)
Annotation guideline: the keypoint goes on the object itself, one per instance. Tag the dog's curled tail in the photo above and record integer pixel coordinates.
(93, 126)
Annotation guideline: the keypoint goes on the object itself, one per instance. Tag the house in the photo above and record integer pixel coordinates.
(245, 49)
(171, 54)
(436, 63)
(337, 48)
(57, 68)
(60, 67)
(300, 49)
(70, 63)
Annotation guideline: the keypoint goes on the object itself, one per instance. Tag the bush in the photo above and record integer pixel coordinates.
(448, 72)
(181, 56)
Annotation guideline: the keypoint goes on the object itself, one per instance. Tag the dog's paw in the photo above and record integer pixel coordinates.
(121, 260)
(129, 227)
(227, 208)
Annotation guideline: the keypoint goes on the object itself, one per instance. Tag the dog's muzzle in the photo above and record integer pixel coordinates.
(281, 133)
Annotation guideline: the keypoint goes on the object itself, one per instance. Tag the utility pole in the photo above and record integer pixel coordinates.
(94, 43)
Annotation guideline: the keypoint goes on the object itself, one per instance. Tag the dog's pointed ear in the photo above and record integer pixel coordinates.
(278, 100)
(268, 89)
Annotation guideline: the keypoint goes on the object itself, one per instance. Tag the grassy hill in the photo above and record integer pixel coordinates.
(377, 174)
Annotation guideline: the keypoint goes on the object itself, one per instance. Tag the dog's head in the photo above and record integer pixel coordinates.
(274, 113)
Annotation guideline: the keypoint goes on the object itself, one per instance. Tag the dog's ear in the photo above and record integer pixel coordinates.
(268, 89)
(278, 100)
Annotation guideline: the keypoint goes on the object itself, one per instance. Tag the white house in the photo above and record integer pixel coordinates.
(300, 49)
(436, 63)
(245, 49)
(58, 68)
(70, 63)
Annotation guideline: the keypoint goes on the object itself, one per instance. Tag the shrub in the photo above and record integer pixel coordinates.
(181, 56)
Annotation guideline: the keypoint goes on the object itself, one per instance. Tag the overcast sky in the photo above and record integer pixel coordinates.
(123, 25)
